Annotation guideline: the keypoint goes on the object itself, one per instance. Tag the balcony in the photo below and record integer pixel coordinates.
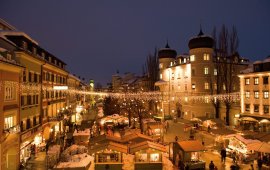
(13, 130)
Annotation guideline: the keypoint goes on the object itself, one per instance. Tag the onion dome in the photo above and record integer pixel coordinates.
(201, 41)
(167, 52)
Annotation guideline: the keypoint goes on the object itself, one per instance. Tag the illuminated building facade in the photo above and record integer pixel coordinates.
(254, 88)
(184, 76)
(10, 72)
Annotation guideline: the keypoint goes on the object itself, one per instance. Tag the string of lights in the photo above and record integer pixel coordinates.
(145, 96)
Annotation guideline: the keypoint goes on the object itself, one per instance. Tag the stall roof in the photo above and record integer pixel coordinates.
(145, 145)
(191, 146)
(104, 138)
(133, 136)
(242, 139)
(109, 145)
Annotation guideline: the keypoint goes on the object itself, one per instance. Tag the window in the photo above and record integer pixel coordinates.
(10, 91)
(160, 76)
(185, 60)
(256, 80)
(247, 81)
(265, 80)
(193, 86)
(215, 71)
(160, 65)
(35, 78)
(206, 99)
(247, 94)
(247, 107)
(266, 94)
(185, 87)
(171, 78)
(36, 99)
(171, 63)
(206, 85)
(193, 72)
(206, 70)
(192, 58)
(256, 94)
(29, 76)
(29, 102)
(256, 108)
(206, 57)
(9, 122)
(24, 76)
(215, 86)
(22, 101)
(265, 109)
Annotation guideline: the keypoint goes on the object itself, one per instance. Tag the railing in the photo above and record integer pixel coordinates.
(13, 130)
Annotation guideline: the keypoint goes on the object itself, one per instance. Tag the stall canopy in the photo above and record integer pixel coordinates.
(191, 146)
(266, 121)
(250, 119)
(145, 145)
(259, 147)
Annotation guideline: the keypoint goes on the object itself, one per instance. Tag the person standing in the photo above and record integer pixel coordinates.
(223, 155)
(176, 138)
(259, 162)
(211, 166)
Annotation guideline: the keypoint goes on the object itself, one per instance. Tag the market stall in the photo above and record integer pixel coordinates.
(187, 153)
(81, 137)
(148, 155)
(249, 123)
(74, 158)
(238, 144)
(108, 154)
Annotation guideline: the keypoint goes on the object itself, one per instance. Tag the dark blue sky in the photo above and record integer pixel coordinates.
(95, 38)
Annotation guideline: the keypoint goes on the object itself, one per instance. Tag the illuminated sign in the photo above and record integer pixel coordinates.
(60, 87)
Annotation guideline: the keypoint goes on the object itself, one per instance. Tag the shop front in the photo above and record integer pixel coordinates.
(148, 155)
(31, 141)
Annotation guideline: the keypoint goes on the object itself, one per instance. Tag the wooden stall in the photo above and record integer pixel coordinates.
(187, 154)
(148, 155)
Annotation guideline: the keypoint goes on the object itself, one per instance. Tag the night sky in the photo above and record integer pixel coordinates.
(96, 38)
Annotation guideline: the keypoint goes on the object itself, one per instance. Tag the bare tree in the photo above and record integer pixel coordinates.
(226, 62)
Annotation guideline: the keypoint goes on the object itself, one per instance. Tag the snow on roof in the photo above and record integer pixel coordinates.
(86, 132)
(257, 62)
(242, 139)
(5, 33)
(191, 146)
(145, 145)
(78, 161)
(3, 49)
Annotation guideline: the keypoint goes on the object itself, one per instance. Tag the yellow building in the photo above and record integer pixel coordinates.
(188, 81)
(10, 73)
(254, 88)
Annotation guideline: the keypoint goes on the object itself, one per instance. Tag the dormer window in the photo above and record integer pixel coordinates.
(34, 51)
(160, 65)
(185, 60)
(171, 63)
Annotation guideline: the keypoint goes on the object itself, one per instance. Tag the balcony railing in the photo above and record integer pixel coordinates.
(13, 130)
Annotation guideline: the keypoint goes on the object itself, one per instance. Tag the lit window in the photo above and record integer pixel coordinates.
(247, 107)
(256, 94)
(192, 58)
(206, 99)
(180, 61)
(215, 86)
(160, 65)
(224, 87)
(185, 60)
(171, 63)
(9, 122)
(266, 94)
(256, 108)
(193, 86)
(247, 81)
(206, 70)
(206, 85)
(265, 108)
(215, 71)
(206, 57)
(256, 80)
(160, 76)
(10, 91)
(247, 94)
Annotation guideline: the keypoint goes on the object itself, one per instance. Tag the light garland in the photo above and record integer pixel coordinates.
(146, 96)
